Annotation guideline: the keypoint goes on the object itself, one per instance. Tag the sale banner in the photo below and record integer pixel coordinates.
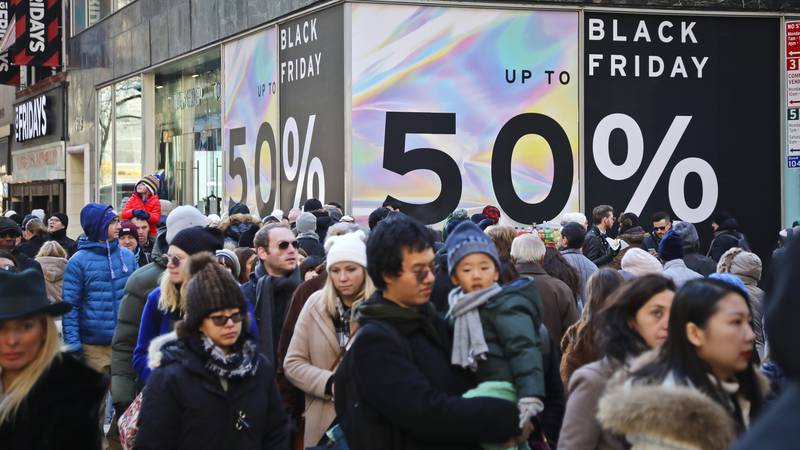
(460, 107)
(251, 121)
(38, 33)
(681, 116)
(311, 75)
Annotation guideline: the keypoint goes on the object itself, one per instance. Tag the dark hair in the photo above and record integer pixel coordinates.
(244, 254)
(261, 239)
(618, 340)
(601, 212)
(557, 267)
(336, 204)
(659, 216)
(599, 289)
(696, 302)
(627, 221)
(574, 233)
(376, 216)
(386, 244)
(508, 271)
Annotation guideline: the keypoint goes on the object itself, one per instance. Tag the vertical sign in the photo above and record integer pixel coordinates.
(38, 33)
(251, 121)
(458, 107)
(311, 77)
(793, 88)
(674, 123)
(9, 74)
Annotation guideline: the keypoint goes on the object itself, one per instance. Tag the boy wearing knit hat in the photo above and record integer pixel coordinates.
(94, 283)
(495, 328)
(144, 203)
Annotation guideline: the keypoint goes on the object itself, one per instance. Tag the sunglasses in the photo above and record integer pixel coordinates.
(220, 321)
(423, 273)
(283, 245)
(174, 260)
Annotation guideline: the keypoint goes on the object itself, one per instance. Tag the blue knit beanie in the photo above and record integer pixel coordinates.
(466, 239)
(670, 247)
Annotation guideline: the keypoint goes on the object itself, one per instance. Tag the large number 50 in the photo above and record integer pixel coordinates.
(400, 161)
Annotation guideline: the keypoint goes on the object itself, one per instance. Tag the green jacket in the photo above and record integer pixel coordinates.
(124, 382)
(511, 321)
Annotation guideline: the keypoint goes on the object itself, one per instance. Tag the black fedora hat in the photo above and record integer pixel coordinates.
(23, 294)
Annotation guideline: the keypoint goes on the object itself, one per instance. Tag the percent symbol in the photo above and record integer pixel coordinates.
(657, 166)
(300, 167)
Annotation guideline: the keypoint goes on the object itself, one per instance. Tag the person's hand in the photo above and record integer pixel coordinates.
(311, 274)
(141, 214)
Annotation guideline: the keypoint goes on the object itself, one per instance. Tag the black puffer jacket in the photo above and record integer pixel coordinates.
(185, 407)
(60, 412)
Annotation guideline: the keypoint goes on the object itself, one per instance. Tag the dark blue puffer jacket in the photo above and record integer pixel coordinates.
(94, 282)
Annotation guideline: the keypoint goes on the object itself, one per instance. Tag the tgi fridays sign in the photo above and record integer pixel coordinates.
(793, 86)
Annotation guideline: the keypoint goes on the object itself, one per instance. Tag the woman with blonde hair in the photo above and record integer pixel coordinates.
(48, 400)
(53, 259)
(323, 331)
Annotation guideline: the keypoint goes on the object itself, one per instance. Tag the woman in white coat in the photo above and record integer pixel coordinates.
(323, 330)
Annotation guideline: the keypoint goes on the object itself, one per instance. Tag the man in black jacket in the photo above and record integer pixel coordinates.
(726, 236)
(271, 294)
(595, 245)
(57, 227)
(398, 371)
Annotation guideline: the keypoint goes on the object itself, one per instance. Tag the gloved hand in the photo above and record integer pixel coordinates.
(529, 407)
(141, 214)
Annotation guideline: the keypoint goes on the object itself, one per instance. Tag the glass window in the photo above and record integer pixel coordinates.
(128, 132)
(78, 8)
(105, 143)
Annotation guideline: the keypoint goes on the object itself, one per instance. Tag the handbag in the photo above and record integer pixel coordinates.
(128, 423)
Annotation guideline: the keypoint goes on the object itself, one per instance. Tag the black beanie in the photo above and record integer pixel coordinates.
(312, 204)
(198, 239)
(63, 218)
(211, 288)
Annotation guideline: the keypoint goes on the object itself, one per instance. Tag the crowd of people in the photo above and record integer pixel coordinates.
(308, 330)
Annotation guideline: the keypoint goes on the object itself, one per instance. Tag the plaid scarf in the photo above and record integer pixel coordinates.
(342, 324)
(241, 363)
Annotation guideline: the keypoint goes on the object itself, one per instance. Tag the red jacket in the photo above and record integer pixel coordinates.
(153, 206)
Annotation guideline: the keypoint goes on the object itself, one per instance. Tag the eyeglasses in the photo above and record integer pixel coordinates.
(283, 245)
(174, 260)
(423, 273)
(220, 321)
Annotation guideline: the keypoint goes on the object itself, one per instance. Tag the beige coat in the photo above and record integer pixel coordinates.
(53, 268)
(312, 352)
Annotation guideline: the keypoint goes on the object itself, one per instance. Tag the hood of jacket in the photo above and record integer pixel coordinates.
(239, 223)
(53, 267)
(633, 236)
(92, 220)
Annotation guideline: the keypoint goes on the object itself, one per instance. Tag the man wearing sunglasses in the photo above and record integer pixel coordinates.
(662, 223)
(271, 287)
(398, 369)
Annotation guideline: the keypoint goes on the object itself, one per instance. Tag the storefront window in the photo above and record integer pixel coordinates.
(119, 141)
(105, 144)
(128, 131)
(188, 131)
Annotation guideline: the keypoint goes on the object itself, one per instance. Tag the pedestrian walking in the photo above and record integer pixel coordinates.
(53, 259)
(57, 227)
(323, 331)
(704, 367)
(694, 260)
(726, 236)
(48, 400)
(747, 267)
(34, 236)
(572, 238)
(579, 346)
(670, 250)
(397, 372)
(558, 303)
(634, 321)
(595, 244)
(210, 387)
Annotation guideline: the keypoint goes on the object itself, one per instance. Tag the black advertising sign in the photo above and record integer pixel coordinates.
(39, 120)
(38, 33)
(681, 115)
(311, 76)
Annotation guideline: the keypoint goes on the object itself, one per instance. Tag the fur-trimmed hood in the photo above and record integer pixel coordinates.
(237, 219)
(160, 349)
(664, 415)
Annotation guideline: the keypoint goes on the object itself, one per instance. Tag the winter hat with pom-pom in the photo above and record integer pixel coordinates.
(211, 288)
(350, 247)
(638, 262)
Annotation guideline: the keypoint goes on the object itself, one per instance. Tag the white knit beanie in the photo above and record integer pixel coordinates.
(278, 214)
(183, 217)
(347, 247)
(38, 213)
(639, 262)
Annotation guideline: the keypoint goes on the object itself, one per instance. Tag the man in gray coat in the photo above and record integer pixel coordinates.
(572, 235)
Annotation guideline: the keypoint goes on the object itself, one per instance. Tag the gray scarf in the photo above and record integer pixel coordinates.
(469, 344)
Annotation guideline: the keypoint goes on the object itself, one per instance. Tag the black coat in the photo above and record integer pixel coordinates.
(324, 221)
(185, 407)
(69, 245)
(31, 247)
(418, 399)
(596, 248)
(60, 412)
(701, 264)
(727, 237)
(311, 246)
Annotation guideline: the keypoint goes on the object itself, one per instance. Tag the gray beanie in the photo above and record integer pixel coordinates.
(232, 258)
(184, 217)
(688, 234)
(306, 222)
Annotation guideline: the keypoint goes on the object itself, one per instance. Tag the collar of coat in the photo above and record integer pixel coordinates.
(532, 268)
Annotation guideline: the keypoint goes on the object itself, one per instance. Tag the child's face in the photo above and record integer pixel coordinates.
(475, 272)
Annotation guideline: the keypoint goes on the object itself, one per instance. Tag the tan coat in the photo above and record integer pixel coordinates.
(53, 269)
(312, 353)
